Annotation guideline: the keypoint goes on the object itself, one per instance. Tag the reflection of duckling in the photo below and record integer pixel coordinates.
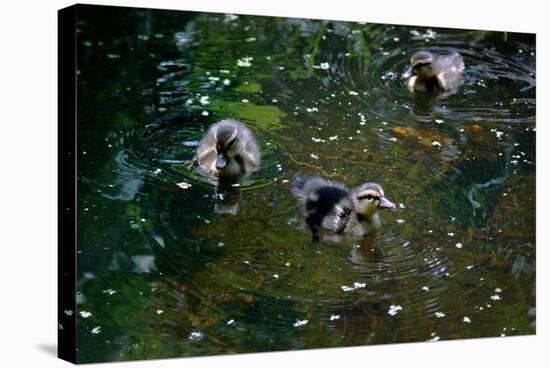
(332, 206)
(228, 149)
(429, 73)
(228, 195)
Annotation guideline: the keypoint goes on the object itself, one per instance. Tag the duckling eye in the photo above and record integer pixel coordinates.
(369, 197)
(420, 65)
(231, 144)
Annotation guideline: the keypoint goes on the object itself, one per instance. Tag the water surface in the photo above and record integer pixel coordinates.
(161, 274)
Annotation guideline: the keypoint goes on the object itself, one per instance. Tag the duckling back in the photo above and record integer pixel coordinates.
(325, 203)
(448, 70)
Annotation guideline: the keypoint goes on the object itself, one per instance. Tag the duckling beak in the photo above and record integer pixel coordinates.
(221, 161)
(408, 73)
(385, 203)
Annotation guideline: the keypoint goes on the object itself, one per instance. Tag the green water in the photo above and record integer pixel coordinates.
(161, 274)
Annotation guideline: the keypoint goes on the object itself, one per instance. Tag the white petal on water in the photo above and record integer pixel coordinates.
(96, 330)
(439, 121)
(184, 185)
(439, 314)
(299, 323)
(276, 276)
(353, 93)
(451, 234)
(68, 312)
(425, 288)
(314, 156)
(85, 314)
(356, 285)
(498, 290)
(160, 311)
(205, 113)
(226, 82)
(230, 322)
(496, 297)
(466, 320)
(436, 143)
(324, 66)
(458, 245)
(400, 221)
(196, 336)
(245, 62)
(333, 137)
(334, 317)
(394, 309)
(204, 100)
(312, 109)
(109, 291)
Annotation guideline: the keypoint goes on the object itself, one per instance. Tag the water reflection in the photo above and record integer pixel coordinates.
(228, 195)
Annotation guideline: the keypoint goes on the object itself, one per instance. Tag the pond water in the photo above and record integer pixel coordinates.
(162, 274)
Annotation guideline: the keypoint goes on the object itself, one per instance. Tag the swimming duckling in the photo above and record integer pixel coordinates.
(430, 73)
(330, 205)
(228, 149)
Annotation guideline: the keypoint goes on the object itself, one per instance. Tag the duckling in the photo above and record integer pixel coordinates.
(433, 74)
(228, 149)
(330, 205)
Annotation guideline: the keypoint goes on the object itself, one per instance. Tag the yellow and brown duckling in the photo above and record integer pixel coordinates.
(228, 149)
(434, 74)
(330, 205)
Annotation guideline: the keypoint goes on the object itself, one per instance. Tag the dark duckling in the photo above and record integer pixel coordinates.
(330, 205)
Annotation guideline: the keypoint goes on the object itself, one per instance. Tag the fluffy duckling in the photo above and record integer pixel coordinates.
(330, 205)
(228, 149)
(430, 73)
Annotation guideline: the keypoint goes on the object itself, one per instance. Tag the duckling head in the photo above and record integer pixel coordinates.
(226, 138)
(421, 65)
(369, 198)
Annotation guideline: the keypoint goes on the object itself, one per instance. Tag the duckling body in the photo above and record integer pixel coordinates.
(434, 74)
(228, 149)
(331, 206)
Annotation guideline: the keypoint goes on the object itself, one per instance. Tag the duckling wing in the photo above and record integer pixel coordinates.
(206, 151)
(337, 220)
(252, 152)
